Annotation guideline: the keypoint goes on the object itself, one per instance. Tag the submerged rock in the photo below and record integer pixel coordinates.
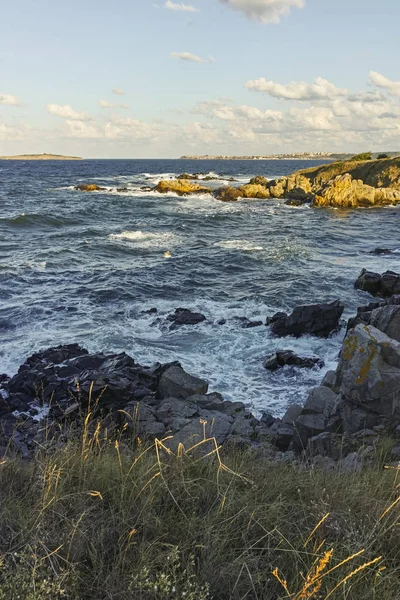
(89, 187)
(314, 319)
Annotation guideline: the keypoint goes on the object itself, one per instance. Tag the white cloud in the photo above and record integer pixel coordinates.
(9, 100)
(132, 129)
(191, 57)
(393, 87)
(118, 92)
(66, 112)
(106, 104)
(9, 133)
(265, 11)
(82, 130)
(320, 89)
(181, 7)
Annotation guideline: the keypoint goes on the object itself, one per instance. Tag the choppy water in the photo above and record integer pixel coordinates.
(83, 267)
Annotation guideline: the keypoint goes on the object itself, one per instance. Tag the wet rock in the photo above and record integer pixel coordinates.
(314, 319)
(89, 187)
(247, 324)
(381, 251)
(385, 285)
(298, 197)
(288, 357)
(184, 316)
(228, 194)
(176, 383)
(276, 317)
(150, 311)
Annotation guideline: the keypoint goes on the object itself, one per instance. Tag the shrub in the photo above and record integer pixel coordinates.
(380, 156)
(362, 156)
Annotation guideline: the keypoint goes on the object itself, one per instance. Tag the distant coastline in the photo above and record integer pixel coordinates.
(40, 157)
(293, 156)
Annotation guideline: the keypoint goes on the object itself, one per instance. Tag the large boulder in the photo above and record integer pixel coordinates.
(314, 319)
(387, 320)
(176, 383)
(368, 374)
(345, 192)
(254, 191)
(228, 194)
(385, 285)
(298, 196)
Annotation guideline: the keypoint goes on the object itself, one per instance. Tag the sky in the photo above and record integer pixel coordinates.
(144, 79)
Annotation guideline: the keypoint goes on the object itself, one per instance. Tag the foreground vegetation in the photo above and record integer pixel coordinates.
(116, 520)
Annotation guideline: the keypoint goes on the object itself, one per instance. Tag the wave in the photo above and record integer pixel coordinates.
(146, 239)
(36, 220)
(246, 245)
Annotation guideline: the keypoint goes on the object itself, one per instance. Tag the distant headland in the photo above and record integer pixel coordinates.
(292, 156)
(40, 157)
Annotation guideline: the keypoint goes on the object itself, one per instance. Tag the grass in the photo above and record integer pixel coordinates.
(114, 519)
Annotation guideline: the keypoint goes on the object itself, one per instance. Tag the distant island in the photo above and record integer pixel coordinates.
(292, 156)
(40, 157)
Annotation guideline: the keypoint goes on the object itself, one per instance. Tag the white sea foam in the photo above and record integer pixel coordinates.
(146, 239)
(247, 245)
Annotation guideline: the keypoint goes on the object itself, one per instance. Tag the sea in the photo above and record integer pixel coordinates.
(87, 268)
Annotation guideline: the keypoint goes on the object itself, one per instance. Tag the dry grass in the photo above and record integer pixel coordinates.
(100, 519)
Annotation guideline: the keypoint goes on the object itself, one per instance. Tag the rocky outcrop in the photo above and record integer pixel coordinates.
(345, 192)
(181, 187)
(228, 194)
(385, 285)
(254, 190)
(314, 319)
(60, 386)
(184, 316)
(284, 358)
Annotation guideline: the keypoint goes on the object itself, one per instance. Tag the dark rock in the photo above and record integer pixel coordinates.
(385, 285)
(297, 197)
(228, 194)
(329, 380)
(184, 316)
(283, 435)
(380, 251)
(89, 187)
(292, 414)
(150, 311)
(276, 317)
(176, 383)
(288, 357)
(268, 420)
(306, 427)
(123, 190)
(221, 322)
(387, 320)
(247, 324)
(321, 400)
(325, 444)
(259, 180)
(314, 319)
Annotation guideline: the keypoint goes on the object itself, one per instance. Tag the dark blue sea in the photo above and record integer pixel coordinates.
(83, 267)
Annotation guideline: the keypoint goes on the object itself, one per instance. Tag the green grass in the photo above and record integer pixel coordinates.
(98, 520)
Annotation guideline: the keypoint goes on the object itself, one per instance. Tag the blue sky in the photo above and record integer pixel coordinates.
(199, 76)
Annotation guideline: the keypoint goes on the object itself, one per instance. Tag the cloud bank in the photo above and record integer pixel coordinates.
(9, 100)
(320, 88)
(66, 112)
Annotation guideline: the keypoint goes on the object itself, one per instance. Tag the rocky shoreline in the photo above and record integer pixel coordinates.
(54, 391)
(342, 184)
